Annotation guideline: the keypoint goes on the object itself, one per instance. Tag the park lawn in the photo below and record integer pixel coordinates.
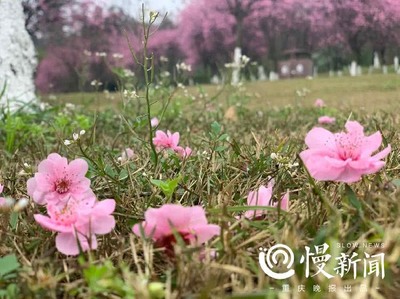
(368, 92)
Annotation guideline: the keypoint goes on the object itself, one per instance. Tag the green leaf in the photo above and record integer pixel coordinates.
(109, 170)
(167, 187)
(123, 175)
(220, 148)
(215, 128)
(8, 264)
(13, 220)
(223, 137)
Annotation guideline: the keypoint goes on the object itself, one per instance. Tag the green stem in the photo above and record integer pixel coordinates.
(149, 81)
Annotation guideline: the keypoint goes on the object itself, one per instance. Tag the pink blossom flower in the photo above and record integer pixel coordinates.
(78, 221)
(326, 120)
(343, 157)
(57, 180)
(3, 201)
(154, 122)
(319, 103)
(183, 152)
(262, 197)
(284, 203)
(126, 155)
(189, 222)
(167, 140)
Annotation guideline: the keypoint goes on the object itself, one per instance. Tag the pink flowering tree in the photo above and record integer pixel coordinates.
(367, 23)
(70, 61)
(209, 36)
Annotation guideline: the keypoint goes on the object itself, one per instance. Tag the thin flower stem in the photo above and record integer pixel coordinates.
(149, 80)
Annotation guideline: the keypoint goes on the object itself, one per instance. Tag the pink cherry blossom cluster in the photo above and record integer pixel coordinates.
(72, 208)
(170, 141)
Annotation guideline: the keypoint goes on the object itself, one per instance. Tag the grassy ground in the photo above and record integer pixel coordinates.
(369, 92)
(232, 156)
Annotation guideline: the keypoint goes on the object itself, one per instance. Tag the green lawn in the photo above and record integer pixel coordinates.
(369, 92)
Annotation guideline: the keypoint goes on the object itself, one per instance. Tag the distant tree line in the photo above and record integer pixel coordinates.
(80, 41)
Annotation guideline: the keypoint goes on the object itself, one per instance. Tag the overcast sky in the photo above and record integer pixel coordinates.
(133, 6)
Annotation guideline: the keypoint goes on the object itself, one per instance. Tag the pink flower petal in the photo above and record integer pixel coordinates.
(205, 232)
(50, 224)
(371, 144)
(78, 168)
(67, 243)
(320, 137)
(382, 154)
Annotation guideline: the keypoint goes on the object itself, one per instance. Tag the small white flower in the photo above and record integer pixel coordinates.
(128, 73)
(274, 156)
(154, 122)
(87, 53)
(26, 165)
(67, 142)
(75, 136)
(183, 67)
(96, 83)
(101, 54)
(130, 95)
(21, 204)
(8, 203)
(70, 106)
(117, 56)
(82, 132)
